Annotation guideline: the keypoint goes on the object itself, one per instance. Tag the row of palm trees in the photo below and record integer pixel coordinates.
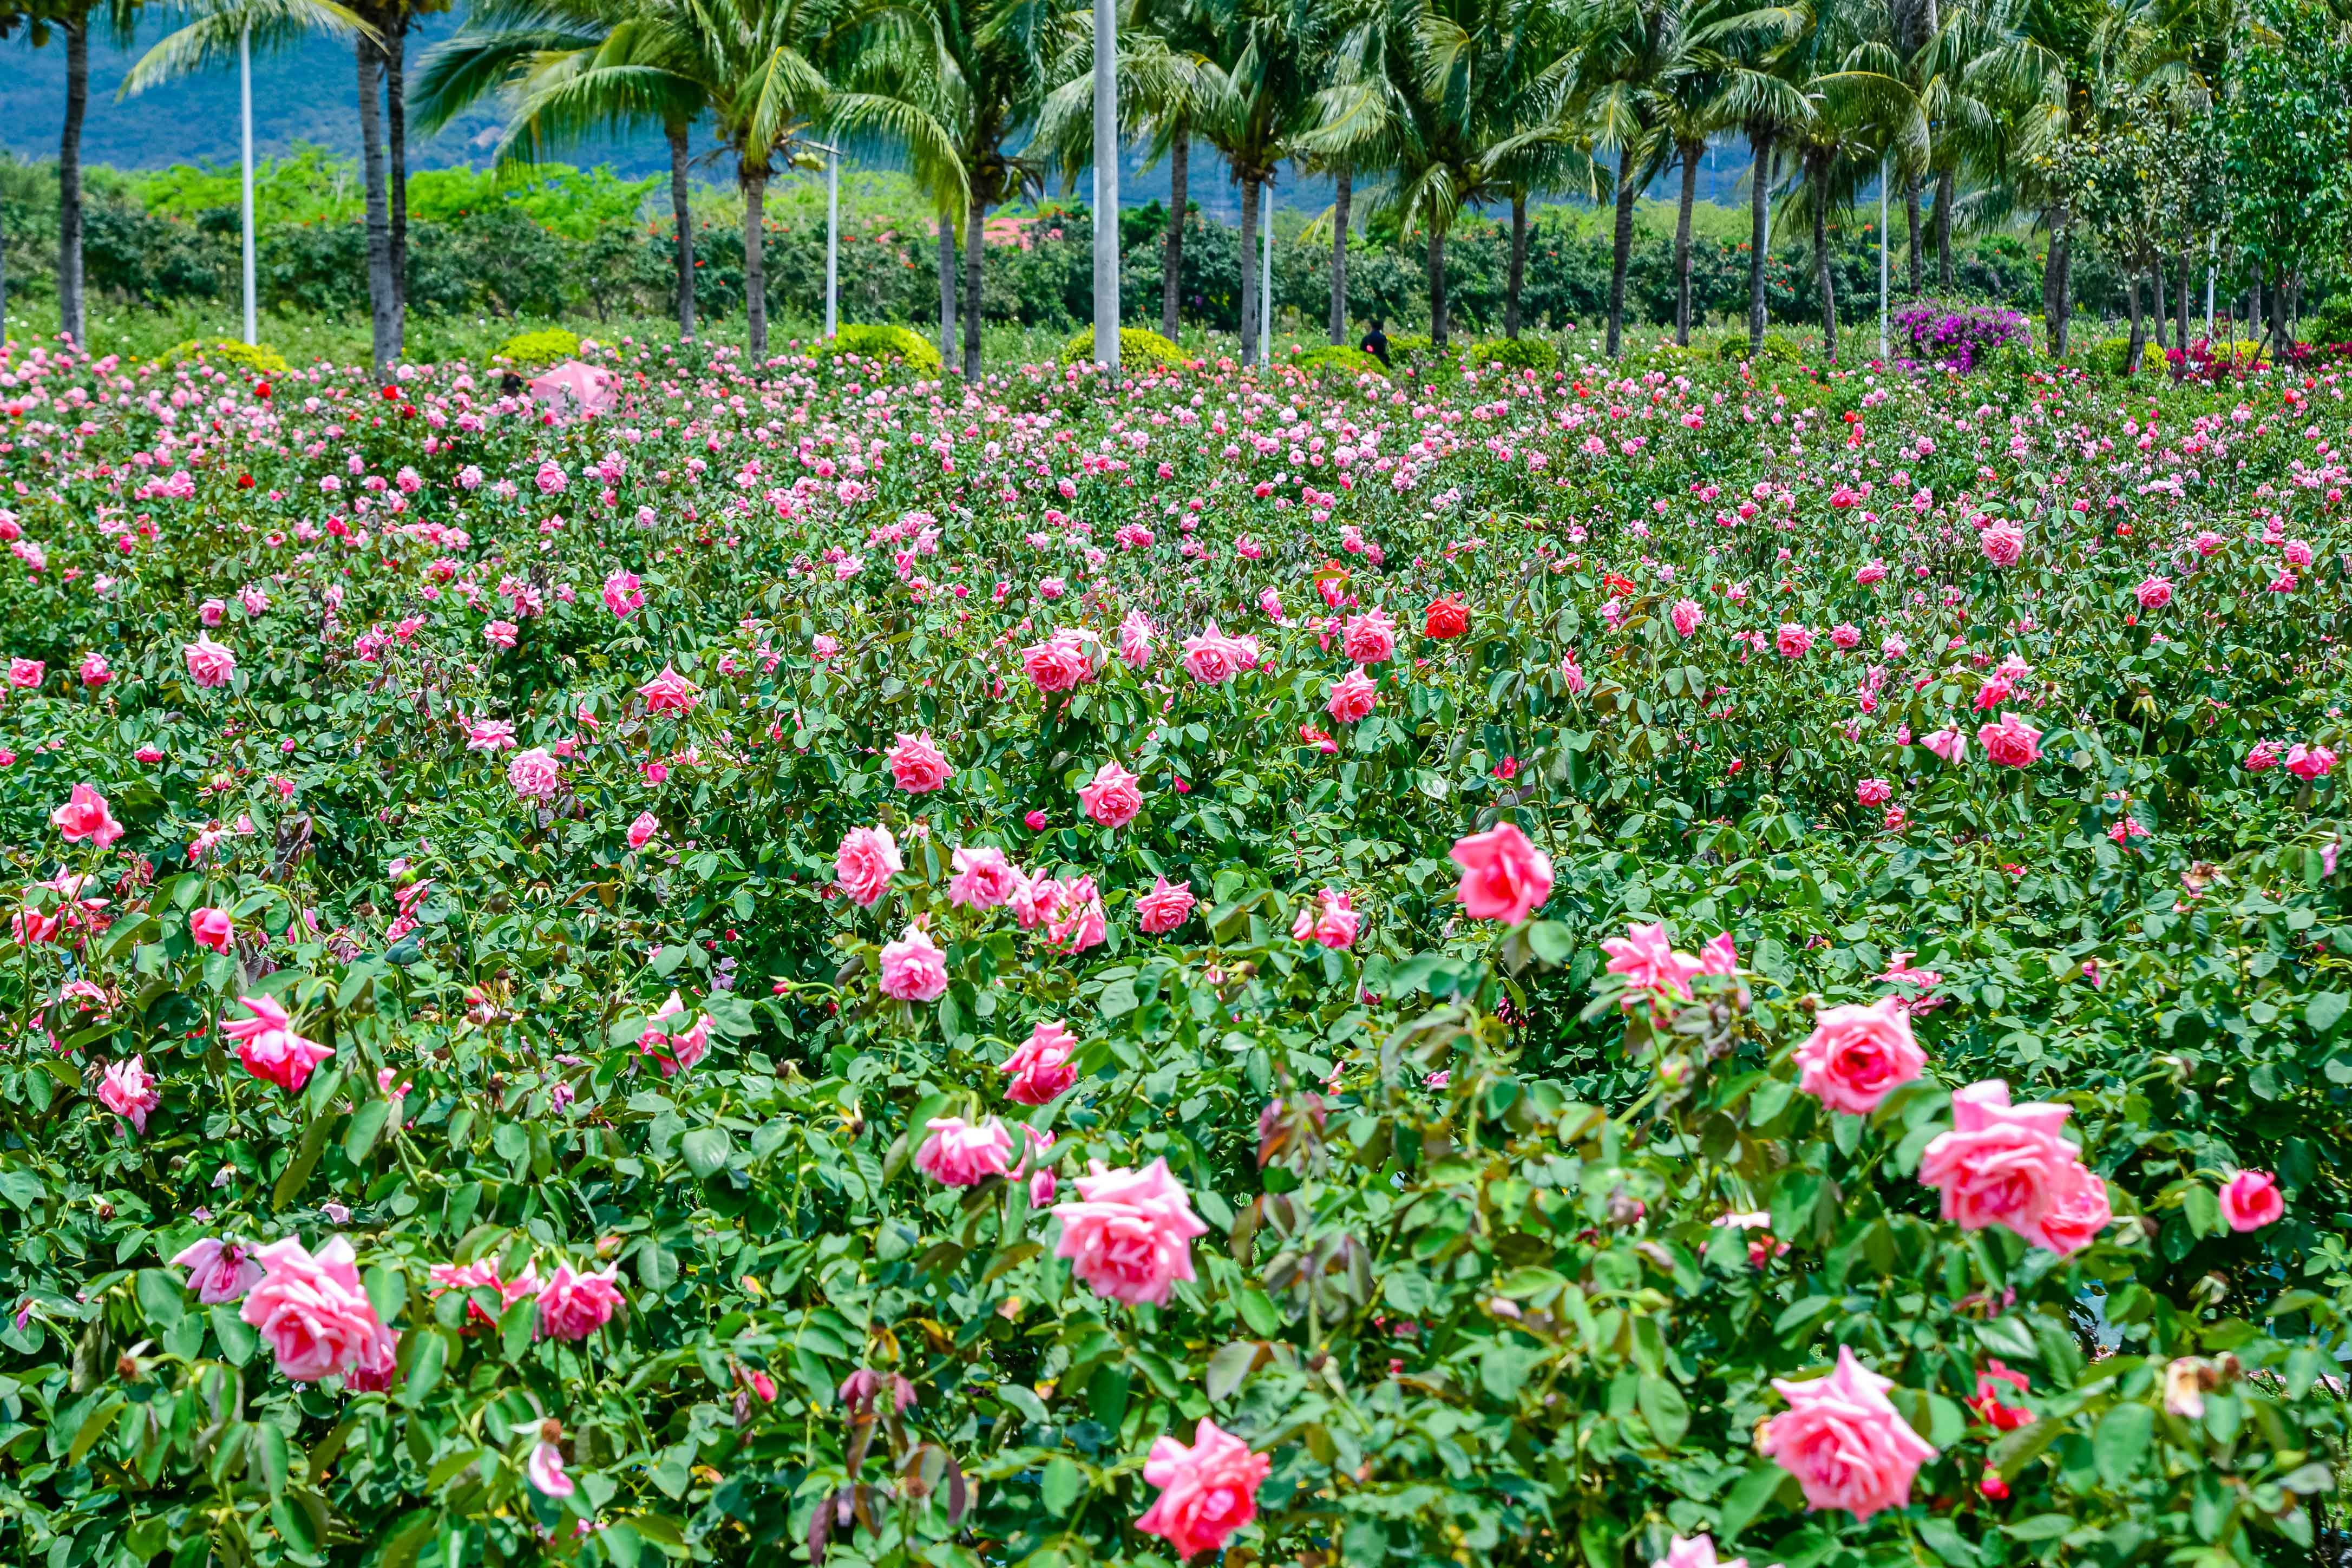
(1430, 108)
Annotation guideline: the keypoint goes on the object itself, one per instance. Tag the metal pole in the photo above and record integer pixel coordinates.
(1883, 171)
(1265, 274)
(245, 107)
(1107, 185)
(831, 239)
(2212, 250)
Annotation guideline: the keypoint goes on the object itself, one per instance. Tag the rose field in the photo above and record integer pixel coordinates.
(1666, 961)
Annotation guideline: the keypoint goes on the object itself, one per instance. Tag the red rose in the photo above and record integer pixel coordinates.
(1447, 618)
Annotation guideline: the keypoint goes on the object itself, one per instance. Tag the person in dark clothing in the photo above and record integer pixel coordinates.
(1375, 342)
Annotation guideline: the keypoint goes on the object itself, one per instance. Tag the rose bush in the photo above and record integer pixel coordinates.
(865, 970)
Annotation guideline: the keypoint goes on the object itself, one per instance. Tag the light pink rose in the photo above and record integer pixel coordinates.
(623, 594)
(1040, 1066)
(1504, 877)
(218, 1270)
(2250, 1200)
(917, 765)
(1165, 907)
(313, 1314)
(573, 1306)
(1857, 1056)
(534, 774)
(1793, 640)
(984, 878)
(1369, 637)
(1212, 658)
(85, 816)
(2012, 743)
(2006, 1164)
(670, 693)
(209, 664)
(1698, 1552)
(1948, 743)
(674, 1043)
(864, 863)
(2154, 592)
(1208, 1492)
(1112, 799)
(1645, 955)
(2003, 543)
(546, 1471)
(1136, 634)
(642, 830)
(1129, 1234)
(128, 1093)
(1058, 663)
(960, 1154)
(1687, 615)
(913, 968)
(1353, 697)
(1844, 1441)
(268, 1047)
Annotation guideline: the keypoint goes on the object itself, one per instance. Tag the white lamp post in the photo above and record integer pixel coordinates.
(1265, 274)
(245, 111)
(1883, 168)
(1107, 185)
(832, 240)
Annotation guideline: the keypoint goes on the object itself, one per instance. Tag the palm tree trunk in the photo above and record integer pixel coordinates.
(1918, 248)
(681, 213)
(1823, 279)
(1759, 217)
(1171, 281)
(2065, 291)
(2181, 307)
(395, 125)
(755, 264)
(1690, 152)
(1624, 248)
(2159, 317)
(1249, 269)
(1437, 301)
(974, 237)
(72, 312)
(2281, 339)
(1945, 181)
(1518, 278)
(2138, 342)
(1341, 199)
(383, 342)
(947, 292)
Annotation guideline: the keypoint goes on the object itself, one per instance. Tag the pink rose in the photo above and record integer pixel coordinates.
(1040, 1066)
(1793, 640)
(983, 878)
(1844, 1441)
(1058, 663)
(1686, 615)
(864, 863)
(670, 693)
(2309, 763)
(1331, 921)
(2003, 543)
(1873, 792)
(642, 830)
(2006, 1164)
(2154, 592)
(268, 1047)
(573, 1306)
(1212, 658)
(1164, 908)
(209, 664)
(1504, 877)
(1698, 1552)
(913, 968)
(1645, 955)
(130, 1093)
(1369, 637)
(25, 674)
(1353, 697)
(2250, 1200)
(85, 816)
(2012, 743)
(211, 928)
(1136, 636)
(1208, 1492)
(546, 1473)
(622, 594)
(1949, 744)
(917, 765)
(959, 1154)
(1856, 1056)
(218, 1270)
(1112, 799)
(674, 1049)
(313, 1314)
(1129, 1234)
(95, 670)
(534, 775)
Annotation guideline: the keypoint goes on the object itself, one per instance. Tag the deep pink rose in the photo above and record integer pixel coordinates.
(1504, 877)
(573, 1306)
(1112, 799)
(670, 693)
(85, 816)
(126, 1090)
(1208, 1492)
(218, 1270)
(984, 878)
(212, 928)
(917, 765)
(1856, 1056)
(1165, 907)
(864, 863)
(960, 1154)
(268, 1047)
(1129, 1234)
(1040, 1066)
(1353, 697)
(1844, 1441)
(913, 968)
(2012, 743)
(313, 1314)
(2250, 1200)
(2006, 1164)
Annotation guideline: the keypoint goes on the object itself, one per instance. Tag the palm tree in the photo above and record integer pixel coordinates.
(74, 18)
(221, 30)
(1628, 48)
(624, 56)
(1275, 54)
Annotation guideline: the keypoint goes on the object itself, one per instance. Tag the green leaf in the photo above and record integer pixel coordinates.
(1947, 1543)
(1063, 1484)
(21, 1188)
(1665, 1410)
(367, 1122)
(707, 1150)
(93, 1426)
(2121, 1440)
(387, 1292)
(306, 1159)
(2202, 1208)
(425, 1368)
(1231, 1364)
(2324, 1010)
(161, 1297)
(1256, 1310)
(1749, 1495)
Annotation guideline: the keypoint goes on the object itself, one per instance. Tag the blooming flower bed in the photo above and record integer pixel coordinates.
(1659, 965)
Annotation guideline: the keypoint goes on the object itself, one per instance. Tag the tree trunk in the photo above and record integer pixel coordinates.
(947, 293)
(2281, 337)
(2134, 345)
(395, 125)
(2159, 317)
(1437, 301)
(1690, 152)
(682, 211)
(383, 307)
(1342, 198)
(2180, 309)
(1626, 195)
(2065, 292)
(1518, 278)
(1249, 269)
(2254, 305)
(1171, 281)
(1945, 181)
(1823, 279)
(72, 311)
(1759, 216)
(2053, 282)
(1911, 189)
(974, 235)
(755, 265)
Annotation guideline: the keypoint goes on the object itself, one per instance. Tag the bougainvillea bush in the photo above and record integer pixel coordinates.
(1598, 965)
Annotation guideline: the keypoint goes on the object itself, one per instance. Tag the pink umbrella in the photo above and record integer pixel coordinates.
(586, 387)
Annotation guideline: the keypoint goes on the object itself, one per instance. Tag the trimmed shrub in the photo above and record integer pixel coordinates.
(254, 359)
(1339, 358)
(544, 347)
(1516, 353)
(881, 343)
(1138, 350)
